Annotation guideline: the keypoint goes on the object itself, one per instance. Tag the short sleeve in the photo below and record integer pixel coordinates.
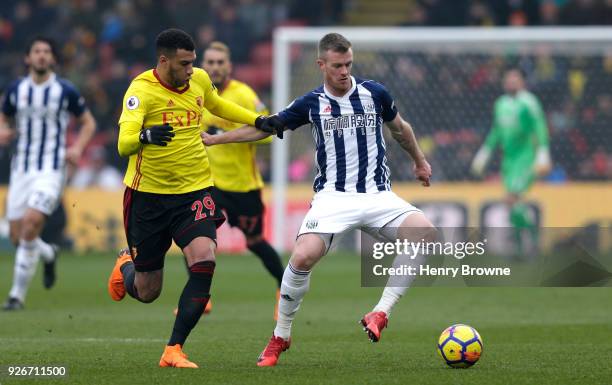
(9, 101)
(134, 106)
(76, 103)
(295, 114)
(389, 110)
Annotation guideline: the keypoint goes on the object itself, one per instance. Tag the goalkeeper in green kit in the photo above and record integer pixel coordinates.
(519, 127)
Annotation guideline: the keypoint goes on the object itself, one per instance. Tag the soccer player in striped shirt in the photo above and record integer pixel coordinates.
(234, 169)
(168, 183)
(352, 187)
(40, 105)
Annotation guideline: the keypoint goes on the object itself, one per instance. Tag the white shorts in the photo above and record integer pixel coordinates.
(37, 190)
(335, 212)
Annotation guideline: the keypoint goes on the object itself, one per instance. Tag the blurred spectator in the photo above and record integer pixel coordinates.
(97, 173)
(103, 44)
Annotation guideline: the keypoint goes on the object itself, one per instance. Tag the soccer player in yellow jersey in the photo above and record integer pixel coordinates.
(168, 183)
(235, 174)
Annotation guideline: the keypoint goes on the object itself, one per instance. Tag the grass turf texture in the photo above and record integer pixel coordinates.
(531, 336)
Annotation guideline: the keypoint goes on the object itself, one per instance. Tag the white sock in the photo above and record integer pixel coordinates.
(397, 285)
(293, 288)
(46, 250)
(26, 259)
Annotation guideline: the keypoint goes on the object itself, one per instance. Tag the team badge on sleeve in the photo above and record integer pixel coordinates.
(132, 103)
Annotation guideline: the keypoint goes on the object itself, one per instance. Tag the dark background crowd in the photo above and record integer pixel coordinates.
(104, 44)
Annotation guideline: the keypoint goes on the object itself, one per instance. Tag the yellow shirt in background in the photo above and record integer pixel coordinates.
(233, 165)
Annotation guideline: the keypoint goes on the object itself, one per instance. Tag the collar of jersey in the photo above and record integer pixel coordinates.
(46, 82)
(168, 86)
(346, 95)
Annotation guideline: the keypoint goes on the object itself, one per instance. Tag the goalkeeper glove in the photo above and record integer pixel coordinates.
(270, 124)
(157, 135)
(543, 164)
(480, 161)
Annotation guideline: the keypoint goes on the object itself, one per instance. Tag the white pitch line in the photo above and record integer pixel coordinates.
(84, 339)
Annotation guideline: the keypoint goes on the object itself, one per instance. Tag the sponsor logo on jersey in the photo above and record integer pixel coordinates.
(178, 119)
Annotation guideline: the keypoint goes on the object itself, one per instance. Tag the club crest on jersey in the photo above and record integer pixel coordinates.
(132, 103)
(369, 107)
(199, 101)
(312, 224)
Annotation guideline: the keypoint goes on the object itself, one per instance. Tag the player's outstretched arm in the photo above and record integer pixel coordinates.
(484, 153)
(543, 163)
(86, 132)
(242, 134)
(6, 133)
(402, 132)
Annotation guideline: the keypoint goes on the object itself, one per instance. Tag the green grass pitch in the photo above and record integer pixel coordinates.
(531, 336)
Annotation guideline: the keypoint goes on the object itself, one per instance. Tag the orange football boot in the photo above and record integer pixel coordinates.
(173, 357)
(116, 288)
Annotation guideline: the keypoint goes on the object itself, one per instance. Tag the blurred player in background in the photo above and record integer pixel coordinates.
(519, 128)
(234, 170)
(169, 181)
(352, 188)
(40, 105)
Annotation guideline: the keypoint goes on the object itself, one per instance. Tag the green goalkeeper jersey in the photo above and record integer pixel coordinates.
(519, 127)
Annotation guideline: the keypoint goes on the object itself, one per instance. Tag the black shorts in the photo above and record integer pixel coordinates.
(152, 221)
(243, 209)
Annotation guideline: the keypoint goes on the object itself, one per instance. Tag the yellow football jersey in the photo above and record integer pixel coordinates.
(182, 166)
(233, 165)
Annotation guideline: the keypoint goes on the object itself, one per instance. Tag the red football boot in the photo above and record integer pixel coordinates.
(373, 324)
(269, 356)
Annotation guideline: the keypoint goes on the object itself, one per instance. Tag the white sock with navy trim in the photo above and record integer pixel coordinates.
(293, 288)
(26, 259)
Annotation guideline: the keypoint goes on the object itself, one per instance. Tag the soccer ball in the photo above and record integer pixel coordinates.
(460, 346)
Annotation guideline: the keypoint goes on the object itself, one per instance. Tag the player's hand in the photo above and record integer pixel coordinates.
(543, 163)
(214, 130)
(422, 171)
(157, 135)
(480, 162)
(208, 139)
(73, 155)
(270, 124)
(6, 135)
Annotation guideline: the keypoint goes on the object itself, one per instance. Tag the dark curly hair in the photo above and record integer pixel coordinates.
(170, 40)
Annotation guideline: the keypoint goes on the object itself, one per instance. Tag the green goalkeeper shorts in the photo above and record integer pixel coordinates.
(518, 178)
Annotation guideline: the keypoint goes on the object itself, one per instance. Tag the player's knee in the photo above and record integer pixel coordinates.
(417, 227)
(14, 238)
(31, 225)
(252, 240)
(303, 260)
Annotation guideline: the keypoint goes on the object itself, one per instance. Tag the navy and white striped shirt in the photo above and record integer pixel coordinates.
(347, 131)
(41, 112)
